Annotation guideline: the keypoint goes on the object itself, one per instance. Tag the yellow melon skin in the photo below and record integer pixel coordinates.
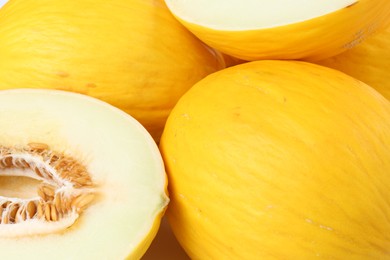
(311, 40)
(131, 54)
(368, 62)
(280, 160)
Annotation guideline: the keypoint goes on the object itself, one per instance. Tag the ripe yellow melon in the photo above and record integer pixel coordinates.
(79, 179)
(281, 29)
(131, 54)
(280, 160)
(368, 62)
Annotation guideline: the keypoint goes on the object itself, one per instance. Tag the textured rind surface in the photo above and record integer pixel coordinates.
(280, 160)
(131, 54)
(310, 40)
(368, 62)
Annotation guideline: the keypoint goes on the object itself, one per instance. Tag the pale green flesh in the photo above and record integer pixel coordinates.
(252, 14)
(120, 155)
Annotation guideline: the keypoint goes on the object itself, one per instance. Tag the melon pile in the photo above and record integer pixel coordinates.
(260, 129)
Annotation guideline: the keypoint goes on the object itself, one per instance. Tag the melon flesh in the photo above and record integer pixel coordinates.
(252, 14)
(123, 162)
(3, 2)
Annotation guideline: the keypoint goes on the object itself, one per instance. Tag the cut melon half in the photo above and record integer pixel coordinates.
(79, 179)
(281, 29)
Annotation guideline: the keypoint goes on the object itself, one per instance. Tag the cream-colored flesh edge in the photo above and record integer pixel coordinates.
(252, 14)
(3, 2)
(121, 157)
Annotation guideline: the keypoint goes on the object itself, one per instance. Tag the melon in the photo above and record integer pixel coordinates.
(79, 178)
(3, 2)
(282, 29)
(368, 62)
(131, 54)
(279, 160)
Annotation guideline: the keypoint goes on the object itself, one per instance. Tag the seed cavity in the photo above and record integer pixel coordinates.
(66, 190)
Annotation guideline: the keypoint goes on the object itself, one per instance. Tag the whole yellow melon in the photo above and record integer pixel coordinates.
(280, 160)
(368, 62)
(282, 29)
(131, 54)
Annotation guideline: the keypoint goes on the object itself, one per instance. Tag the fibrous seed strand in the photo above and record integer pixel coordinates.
(66, 184)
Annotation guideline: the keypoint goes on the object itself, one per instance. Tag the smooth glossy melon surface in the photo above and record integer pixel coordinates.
(280, 160)
(80, 178)
(282, 29)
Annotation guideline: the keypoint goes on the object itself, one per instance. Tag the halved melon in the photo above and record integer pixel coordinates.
(79, 179)
(281, 29)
